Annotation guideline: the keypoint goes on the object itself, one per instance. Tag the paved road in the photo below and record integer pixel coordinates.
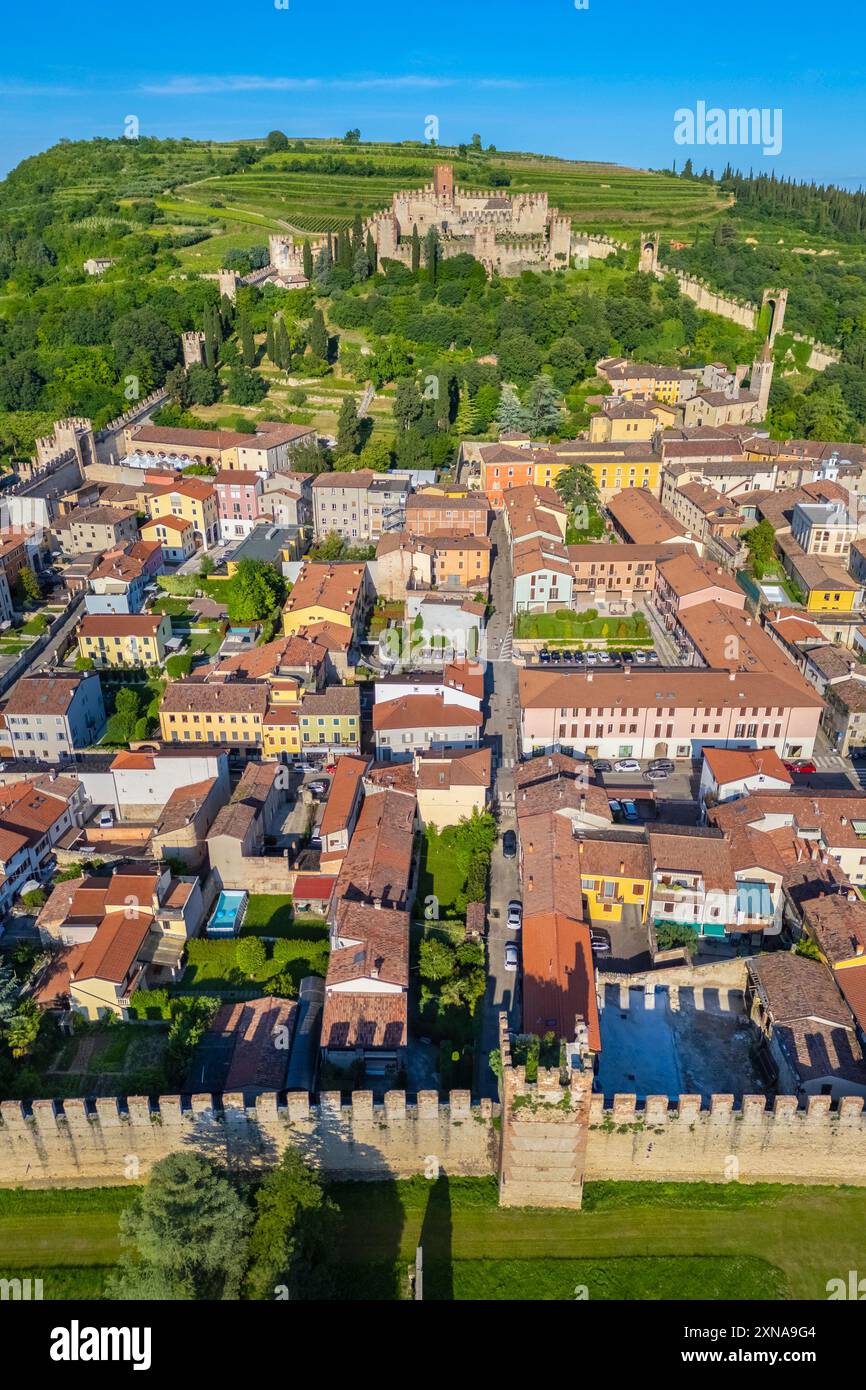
(501, 736)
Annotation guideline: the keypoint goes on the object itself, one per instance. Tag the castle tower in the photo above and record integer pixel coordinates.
(75, 435)
(762, 379)
(543, 1154)
(193, 349)
(228, 282)
(778, 301)
(443, 181)
(649, 254)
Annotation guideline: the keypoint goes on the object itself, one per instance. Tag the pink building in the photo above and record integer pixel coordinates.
(239, 492)
(670, 714)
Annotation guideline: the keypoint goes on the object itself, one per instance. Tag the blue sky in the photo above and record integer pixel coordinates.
(599, 83)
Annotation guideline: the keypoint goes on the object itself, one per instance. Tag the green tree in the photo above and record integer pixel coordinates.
(307, 253)
(511, 416)
(258, 590)
(250, 954)
(416, 250)
(246, 387)
(432, 253)
(466, 420)
(247, 341)
(348, 426)
(22, 1029)
(186, 1233)
(436, 960)
(292, 1220)
(28, 585)
(121, 725)
(276, 140)
(544, 407)
(408, 403)
(761, 545)
(10, 991)
(204, 385)
(319, 342)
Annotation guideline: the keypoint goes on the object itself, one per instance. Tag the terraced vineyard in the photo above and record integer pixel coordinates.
(296, 189)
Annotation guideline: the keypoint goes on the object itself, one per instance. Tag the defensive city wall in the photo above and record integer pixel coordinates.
(544, 1143)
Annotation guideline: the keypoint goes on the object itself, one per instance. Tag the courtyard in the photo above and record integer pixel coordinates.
(675, 1040)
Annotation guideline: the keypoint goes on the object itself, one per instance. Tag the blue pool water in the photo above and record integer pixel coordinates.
(228, 914)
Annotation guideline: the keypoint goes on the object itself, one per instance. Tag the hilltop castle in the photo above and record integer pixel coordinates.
(506, 233)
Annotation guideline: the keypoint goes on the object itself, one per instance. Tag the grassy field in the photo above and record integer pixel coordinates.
(632, 1241)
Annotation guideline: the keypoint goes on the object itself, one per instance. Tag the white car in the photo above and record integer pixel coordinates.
(515, 915)
(106, 820)
(627, 765)
(512, 956)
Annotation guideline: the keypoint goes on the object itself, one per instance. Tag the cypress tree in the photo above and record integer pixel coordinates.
(372, 254)
(248, 342)
(269, 342)
(416, 250)
(283, 347)
(357, 235)
(319, 336)
(308, 259)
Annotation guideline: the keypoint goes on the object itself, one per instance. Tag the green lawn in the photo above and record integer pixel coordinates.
(632, 1241)
(442, 876)
(566, 625)
(212, 965)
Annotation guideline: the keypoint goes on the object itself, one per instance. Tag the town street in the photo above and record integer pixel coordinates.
(501, 737)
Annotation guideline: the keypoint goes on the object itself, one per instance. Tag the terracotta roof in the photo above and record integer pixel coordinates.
(232, 697)
(333, 700)
(315, 887)
(471, 768)
(253, 1025)
(736, 764)
(111, 953)
(707, 854)
(424, 712)
(48, 694)
(283, 654)
(378, 864)
(687, 688)
(686, 574)
(838, 926)
(199, 489)
(326, 586)
(364, 1020)
(171, 523)
(332, 636)
(121, 624)
(558, 977)
(643, 517)
(345, 785)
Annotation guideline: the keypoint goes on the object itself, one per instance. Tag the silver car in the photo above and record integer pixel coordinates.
(512, 956)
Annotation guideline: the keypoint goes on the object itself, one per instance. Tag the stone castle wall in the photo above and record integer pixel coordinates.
(74, 1144)
(54, 1144)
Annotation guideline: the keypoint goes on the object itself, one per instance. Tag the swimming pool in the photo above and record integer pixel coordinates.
(228, 914)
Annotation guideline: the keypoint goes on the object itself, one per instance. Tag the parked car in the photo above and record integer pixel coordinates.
(591, 658)
(106, 819)
(515, 915)
(600, 942)
(509, 844)
(601, 765)
(629, 811)
(666, 765)
(317, 788)
(627, 765)
(566, 656)
(656, 774)
(578, 658)
(512, 956)
(330, 767)
(544, 656)
(640, 658)
(315, 841)
(615, 809)
(801, 765)
(303, 767)
(652, 657)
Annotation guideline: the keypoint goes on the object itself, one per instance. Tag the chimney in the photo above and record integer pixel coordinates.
(621, 867)
(580, 849)
(732, 675)
(377, 903)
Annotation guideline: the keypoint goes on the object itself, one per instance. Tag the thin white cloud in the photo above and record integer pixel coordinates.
(220, 85)
(38, 89)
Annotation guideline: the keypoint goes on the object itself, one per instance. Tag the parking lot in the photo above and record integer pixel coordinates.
(564, 656)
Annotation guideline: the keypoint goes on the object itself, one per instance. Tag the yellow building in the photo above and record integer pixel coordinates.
(327, 594)
(623, 421)
(331, 719)
(124, 639)
(615, 880)
(835, 599)
(230, 712)
(193, 500)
